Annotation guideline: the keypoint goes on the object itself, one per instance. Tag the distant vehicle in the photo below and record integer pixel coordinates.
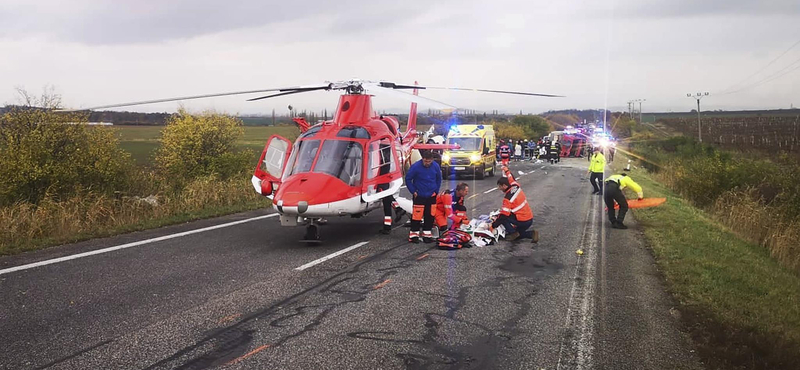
(476, 154)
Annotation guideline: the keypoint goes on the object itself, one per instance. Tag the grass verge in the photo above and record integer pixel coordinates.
(86, 216)
(741, 305)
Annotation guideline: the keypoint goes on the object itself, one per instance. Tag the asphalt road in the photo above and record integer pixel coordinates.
(232, 297)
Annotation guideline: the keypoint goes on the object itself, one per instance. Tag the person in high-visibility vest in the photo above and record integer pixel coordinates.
(613, 193)
(505, 154)
(516, 215)
(554, 152)
(597, 165)
(450, 208)
(507, 174)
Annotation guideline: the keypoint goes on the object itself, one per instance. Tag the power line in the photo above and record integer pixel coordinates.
(769, 78)
(762, 68)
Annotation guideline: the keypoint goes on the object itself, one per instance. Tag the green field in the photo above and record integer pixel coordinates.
(142, 141)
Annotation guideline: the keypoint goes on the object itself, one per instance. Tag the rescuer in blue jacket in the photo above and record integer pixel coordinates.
(423, 180)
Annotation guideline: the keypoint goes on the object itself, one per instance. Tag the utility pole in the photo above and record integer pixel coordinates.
(630, 109)
(698, 96)
(640, 108)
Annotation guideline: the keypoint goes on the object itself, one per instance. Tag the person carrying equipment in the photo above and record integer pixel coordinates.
(505, 154)
(614, 186)
(450, 207)
(423, 180)
(542, 153)
(515, 215)
(597, 165)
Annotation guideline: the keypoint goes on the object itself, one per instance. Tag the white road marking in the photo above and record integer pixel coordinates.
(332, 255)
(490, 190)
(129, 245)
(580, 312)
(403, 187)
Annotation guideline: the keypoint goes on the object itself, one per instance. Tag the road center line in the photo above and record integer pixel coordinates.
(129, 245)
(490, 190)
(332, 255)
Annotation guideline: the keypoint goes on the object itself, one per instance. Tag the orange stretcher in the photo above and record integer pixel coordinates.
(644, 203)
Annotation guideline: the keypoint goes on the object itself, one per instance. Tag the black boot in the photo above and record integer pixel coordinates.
(398, 214)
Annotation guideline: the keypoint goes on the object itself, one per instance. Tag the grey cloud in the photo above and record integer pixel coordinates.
(106, 22)
(688, 8)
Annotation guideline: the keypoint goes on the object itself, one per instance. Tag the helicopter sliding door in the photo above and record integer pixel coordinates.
(383, 170)
(267, 175)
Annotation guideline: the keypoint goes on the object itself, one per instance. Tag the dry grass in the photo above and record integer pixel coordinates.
(752, 220)
(52, 222)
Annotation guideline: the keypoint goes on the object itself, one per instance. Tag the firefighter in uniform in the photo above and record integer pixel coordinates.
(515, 215)
(423, 181)
(597, 165)
(613, 193)
(450, 207)
(553, 152)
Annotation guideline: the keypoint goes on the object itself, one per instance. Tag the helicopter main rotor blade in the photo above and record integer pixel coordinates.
(412, 98)
(392, 85)
(165, 100)
(496, 91)
(295, 91)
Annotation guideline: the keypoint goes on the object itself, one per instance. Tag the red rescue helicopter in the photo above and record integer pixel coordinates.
(334, 167)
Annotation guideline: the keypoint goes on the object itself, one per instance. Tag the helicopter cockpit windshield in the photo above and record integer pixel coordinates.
(339, 158)
(342, 159)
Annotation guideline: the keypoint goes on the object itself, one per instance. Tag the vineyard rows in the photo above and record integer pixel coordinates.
(771, 132)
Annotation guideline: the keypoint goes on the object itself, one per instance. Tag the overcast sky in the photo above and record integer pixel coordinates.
(597, 53)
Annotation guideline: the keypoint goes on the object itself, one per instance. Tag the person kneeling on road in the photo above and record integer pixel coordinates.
(613, 193)
(423, 180)
(515, 215)
(450, 208)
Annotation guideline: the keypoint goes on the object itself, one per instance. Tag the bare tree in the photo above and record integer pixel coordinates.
(48, 100)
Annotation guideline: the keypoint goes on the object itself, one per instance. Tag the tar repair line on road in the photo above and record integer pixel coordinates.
(332, 255)
(577, 345)
(129, 245)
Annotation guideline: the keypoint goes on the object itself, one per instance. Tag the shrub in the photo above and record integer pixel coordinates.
(194, 146)
(44, 152)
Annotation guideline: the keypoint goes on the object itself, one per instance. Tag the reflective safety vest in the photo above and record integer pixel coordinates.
(516, 203)
(505, 151)
(598, 163)
(625, 181)
(511, 180)
(447, 202)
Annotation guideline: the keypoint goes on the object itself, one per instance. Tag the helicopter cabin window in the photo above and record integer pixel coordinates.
(311, 132)
(381, 158)
(353, 132)
(303, 156)
(342, 159)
